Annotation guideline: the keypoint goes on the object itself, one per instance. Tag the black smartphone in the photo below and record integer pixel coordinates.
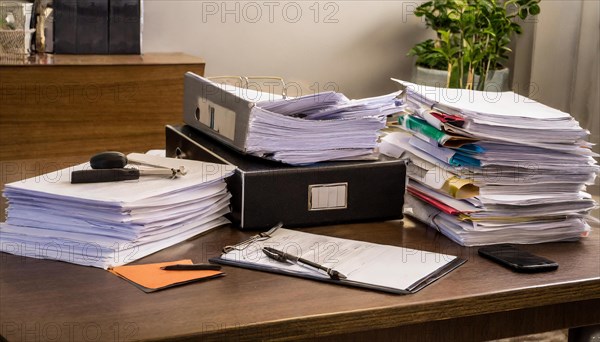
(516, 259)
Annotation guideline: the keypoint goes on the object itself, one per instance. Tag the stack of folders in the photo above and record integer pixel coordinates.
(489, 168)
(318, 127)
(111, 224)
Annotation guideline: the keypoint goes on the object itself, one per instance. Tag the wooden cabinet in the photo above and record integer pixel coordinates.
(67, 105)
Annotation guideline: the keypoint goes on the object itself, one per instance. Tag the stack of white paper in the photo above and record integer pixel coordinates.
(110, 224)
(318, 127)
(293, 130)
(518, 174)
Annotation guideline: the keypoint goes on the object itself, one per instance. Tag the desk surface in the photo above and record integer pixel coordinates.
(41, 299)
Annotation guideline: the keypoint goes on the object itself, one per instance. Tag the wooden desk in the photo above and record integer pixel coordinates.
(48, 300)
(68, 104)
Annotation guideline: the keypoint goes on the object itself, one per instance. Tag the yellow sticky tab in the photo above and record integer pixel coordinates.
(460, 188)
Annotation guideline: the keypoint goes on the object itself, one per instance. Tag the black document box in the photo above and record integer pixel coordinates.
(97, 26)
(124, 27)
(266, 192)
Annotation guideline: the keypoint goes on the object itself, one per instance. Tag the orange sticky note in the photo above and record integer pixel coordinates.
(150, 278)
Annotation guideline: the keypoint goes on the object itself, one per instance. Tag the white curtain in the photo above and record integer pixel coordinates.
(565, 57)
(564, 72)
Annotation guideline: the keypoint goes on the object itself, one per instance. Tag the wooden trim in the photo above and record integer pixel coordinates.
(46, 60)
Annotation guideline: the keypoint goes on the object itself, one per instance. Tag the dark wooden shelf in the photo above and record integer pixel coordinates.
(66, 105)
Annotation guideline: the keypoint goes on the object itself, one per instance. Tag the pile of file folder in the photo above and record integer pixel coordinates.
(114, 223)
(487, 168)
(301, 160)
(298, 131)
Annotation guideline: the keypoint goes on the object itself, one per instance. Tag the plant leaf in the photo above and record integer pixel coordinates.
(523, 13)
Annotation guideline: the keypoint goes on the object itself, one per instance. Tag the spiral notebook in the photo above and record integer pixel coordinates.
(363, 264)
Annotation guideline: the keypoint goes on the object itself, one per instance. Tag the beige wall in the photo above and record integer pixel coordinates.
(565, 61)
(355, 46)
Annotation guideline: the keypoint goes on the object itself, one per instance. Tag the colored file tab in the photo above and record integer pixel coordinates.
(460, 188)
(444, 182)
(470, 148)
(450, 156)
(433, 201)
(444, 118)
(464, 206)
(420, 126)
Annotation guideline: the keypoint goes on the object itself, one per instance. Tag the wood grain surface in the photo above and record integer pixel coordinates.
(167, 58)
(51, 300)
(86, 104)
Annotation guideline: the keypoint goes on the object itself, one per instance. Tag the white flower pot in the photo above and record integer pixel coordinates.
(438, 78)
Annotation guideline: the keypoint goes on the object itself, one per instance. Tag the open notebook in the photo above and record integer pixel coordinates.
(368, 265)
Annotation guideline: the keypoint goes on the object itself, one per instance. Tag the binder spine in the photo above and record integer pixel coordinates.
(65, 26)
(222, 114)
(124, 27)
(92, 26)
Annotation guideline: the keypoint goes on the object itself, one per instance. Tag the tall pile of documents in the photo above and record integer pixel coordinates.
(490, 168)
(110, 224)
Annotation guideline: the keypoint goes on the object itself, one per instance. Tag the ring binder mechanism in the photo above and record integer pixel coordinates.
(339, 261)
(258, 237)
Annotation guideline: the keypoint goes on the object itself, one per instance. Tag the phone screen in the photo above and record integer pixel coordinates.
(517, 259)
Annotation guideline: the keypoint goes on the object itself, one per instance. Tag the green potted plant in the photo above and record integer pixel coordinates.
(472, 40)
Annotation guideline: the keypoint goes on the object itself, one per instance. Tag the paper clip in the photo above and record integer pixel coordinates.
(258, 237)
